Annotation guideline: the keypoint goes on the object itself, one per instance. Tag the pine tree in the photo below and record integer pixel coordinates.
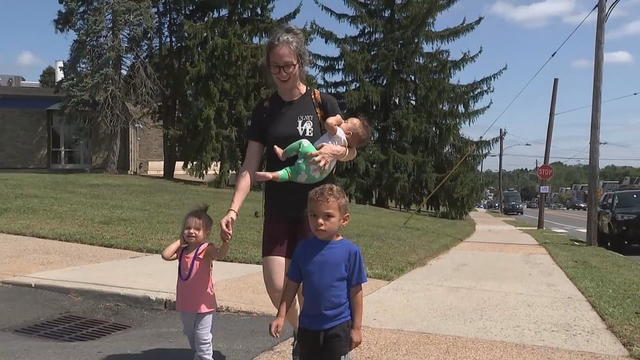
(395, 70)
(48, 77)
(225, 81)
(108, 80)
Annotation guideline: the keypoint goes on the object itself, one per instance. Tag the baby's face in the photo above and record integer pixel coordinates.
(349, 125)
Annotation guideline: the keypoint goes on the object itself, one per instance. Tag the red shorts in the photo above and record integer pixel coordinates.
(280, 235)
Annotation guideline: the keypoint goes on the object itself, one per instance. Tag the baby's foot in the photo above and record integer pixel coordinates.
(279, 152)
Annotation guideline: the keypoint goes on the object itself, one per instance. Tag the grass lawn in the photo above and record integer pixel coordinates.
(608, 280)
(145, 214)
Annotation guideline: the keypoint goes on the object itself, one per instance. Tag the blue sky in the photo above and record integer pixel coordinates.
(521, 34)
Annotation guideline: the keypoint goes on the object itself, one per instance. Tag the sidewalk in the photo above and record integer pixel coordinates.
(497, 295)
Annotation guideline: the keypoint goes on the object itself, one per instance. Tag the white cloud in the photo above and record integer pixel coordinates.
(632, 28)
(537, 13)
(614, 57)
(26, 58)
(581, 63)
(618, 57)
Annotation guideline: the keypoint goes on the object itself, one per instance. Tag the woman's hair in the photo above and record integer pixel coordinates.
(200, 213)
(293, 38)
(330, 193)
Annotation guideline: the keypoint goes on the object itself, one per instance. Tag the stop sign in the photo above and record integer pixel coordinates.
(545, 172)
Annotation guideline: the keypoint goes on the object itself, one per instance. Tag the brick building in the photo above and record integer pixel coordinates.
(35, 134)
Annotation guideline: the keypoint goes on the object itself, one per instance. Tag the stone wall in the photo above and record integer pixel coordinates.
(23, 139)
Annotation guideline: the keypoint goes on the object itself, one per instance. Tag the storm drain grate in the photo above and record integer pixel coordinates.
(70, 328)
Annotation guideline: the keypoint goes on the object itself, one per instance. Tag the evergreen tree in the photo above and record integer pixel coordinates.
(170, 61)
(225, 81)
(108, 80)
(48, 77)
(395, 70)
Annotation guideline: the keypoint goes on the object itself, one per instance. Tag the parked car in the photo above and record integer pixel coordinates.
(619, 219)
(577, 205)
(512, 202)
(533, 204)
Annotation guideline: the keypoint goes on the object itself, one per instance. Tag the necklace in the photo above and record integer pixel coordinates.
(193, 261)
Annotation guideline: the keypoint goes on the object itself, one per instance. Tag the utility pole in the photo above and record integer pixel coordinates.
(594, 145)
(552, 111)
(500, 172)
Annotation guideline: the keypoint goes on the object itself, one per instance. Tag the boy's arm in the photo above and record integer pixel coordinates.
(356, 315)
(288, 294)
(171, 251)
(332, 123)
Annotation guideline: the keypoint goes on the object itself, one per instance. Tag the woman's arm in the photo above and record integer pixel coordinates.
(244, 178)
(329, 152)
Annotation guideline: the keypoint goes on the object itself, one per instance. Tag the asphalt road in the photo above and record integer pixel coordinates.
(571, 222)
(155, 334)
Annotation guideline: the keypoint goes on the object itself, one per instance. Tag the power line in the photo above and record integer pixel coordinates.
(604, 102)
(539, 70)
(569, 158)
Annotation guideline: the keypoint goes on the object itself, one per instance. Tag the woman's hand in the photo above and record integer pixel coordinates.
(226, 225)
(327, 153)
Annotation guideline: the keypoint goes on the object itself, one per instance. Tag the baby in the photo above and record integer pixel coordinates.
(351, 133)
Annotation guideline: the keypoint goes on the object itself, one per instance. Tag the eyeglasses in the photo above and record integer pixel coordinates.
(286, 68)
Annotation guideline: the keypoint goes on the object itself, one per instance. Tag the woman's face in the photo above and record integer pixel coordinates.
(284, 67)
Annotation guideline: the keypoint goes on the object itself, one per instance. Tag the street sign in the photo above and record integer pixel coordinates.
(545, 172)
(544, 189)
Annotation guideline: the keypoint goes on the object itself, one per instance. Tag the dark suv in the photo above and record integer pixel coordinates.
(619, 219)
(511, 202)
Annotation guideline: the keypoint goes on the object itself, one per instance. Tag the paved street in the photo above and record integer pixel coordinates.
(155, 334)
(571, 222)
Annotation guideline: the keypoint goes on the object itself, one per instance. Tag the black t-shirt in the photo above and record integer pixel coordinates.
(279, 122)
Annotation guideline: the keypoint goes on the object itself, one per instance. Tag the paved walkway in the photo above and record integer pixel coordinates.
(497, 295)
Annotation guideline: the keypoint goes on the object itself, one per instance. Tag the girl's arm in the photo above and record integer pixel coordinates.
(356, 315)
(214, 253)
(244, 178)
(171, 251)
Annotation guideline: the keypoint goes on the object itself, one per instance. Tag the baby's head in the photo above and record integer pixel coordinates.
(357, 130)
(197, 225)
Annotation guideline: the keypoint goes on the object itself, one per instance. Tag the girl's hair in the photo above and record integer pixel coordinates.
(200, 213)
(293, 38)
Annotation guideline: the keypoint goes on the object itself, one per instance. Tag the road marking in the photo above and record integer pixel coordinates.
(555, 223)
(559, 230)
(582, 230)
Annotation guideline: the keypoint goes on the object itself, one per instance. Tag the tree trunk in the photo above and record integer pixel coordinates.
(113, 152)
(168, 141)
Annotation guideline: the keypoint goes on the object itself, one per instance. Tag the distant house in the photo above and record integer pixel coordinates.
(35, 134)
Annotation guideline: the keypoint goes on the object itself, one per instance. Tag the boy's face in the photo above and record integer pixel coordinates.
(325, 219)
(194, 232)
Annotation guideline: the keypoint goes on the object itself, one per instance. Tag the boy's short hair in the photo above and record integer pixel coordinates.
(361, 134)
(200, 213)
(329, 193)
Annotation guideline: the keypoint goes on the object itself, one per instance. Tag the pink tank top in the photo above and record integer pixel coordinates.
(196, 293)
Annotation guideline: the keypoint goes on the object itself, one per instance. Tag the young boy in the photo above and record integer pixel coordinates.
(351, 133)
(332, 271)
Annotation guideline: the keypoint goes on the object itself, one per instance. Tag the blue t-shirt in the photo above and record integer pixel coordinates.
(328, 271)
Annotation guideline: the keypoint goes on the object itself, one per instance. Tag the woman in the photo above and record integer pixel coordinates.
(288, 115)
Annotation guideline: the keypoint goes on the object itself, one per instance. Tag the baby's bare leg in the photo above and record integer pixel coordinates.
(266, 175)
